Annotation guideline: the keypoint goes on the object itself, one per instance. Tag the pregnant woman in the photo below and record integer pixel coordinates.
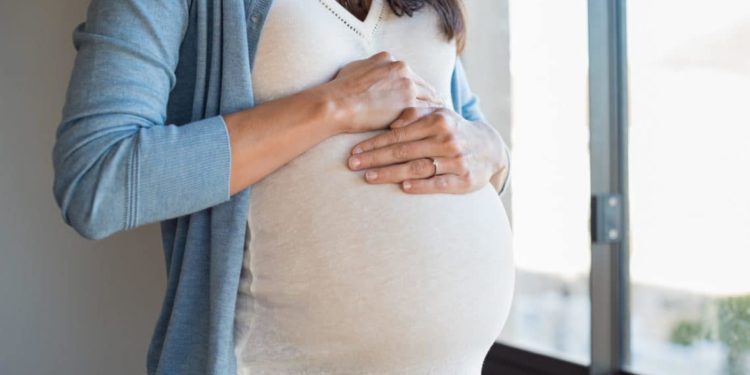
(326, 207)
(342, 276)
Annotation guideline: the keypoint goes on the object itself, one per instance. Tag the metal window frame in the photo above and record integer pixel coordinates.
(608, 122)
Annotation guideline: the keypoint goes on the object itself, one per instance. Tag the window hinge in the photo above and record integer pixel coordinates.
(606, 218)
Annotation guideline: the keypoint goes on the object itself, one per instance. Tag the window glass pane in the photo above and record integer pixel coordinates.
(689, 157)
(550, 183)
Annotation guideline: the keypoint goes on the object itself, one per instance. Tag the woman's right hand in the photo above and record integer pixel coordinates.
(369, 94)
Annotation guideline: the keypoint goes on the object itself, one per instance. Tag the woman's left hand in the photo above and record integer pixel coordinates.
(468, 153)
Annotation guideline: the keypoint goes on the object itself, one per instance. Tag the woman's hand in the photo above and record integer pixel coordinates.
(369, 94)
(468, 153)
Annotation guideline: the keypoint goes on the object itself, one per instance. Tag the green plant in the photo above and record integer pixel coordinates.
(686, 332)
(732, 330)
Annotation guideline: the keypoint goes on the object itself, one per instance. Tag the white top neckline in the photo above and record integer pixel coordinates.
(364, 28)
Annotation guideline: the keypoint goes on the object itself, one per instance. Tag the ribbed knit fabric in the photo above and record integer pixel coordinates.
(142, 140)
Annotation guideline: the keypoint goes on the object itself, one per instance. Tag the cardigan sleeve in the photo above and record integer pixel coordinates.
(466, 103)
(117, 164)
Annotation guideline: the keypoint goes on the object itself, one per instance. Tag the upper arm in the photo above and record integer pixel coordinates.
(117, 163)
(465, 102)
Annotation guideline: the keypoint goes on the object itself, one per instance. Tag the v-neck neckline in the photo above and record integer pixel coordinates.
(363, 28)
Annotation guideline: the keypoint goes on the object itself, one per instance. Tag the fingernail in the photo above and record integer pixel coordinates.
(357, 150)
(354, 162)
(407, 185)
(371, 175)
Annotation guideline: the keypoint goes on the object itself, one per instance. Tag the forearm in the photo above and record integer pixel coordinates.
(265, 137)
(118, 165)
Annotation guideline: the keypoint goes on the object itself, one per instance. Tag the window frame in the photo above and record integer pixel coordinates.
(608, 124)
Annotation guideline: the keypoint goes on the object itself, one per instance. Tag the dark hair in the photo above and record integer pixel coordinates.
(451, 12)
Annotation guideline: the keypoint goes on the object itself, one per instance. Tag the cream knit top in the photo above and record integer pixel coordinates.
(344, 277)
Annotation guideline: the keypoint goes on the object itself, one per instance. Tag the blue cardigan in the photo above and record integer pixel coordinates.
(142, 140)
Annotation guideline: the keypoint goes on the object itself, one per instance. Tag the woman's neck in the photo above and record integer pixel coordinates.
(359, 8)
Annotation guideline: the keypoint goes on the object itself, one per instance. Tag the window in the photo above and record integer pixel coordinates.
(550, 183)
(647, 102)
(689, 163)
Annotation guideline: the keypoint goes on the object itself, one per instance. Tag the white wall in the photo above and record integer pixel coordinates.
(487, 62)
(67, 305)
(73, 306)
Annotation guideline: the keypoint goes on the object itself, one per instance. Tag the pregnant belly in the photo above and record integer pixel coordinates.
(345, 272)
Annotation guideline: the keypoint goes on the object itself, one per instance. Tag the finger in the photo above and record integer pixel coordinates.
(443, 183)
(442, 165)
(399, 69)
(426, 93)
(415, 131)
(429, 104)
(419, 168)
(382, 64)
(434, 95)
(382, 56)
(396, 153)
(410, 115)
(376, 60)
(407, 117)
(366, 64)
(418, 79)
(450, 165)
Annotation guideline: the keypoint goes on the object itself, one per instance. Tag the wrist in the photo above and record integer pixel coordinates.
(497, 157)
(502, 171)
(331, 110)
(500, 162)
